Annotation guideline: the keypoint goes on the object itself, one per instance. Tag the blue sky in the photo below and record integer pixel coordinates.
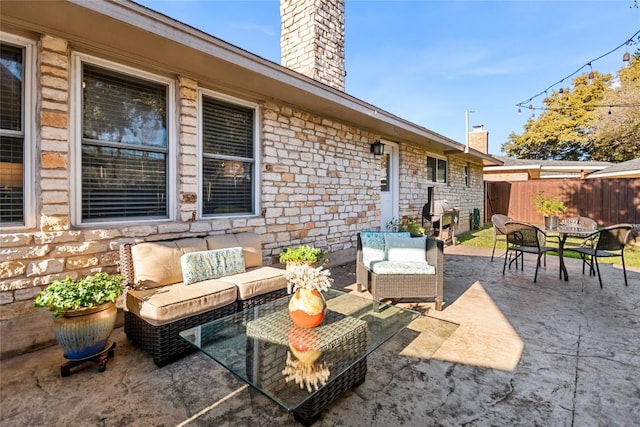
(428, 61)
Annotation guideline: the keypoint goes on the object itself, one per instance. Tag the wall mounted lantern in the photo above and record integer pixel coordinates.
(377, 148)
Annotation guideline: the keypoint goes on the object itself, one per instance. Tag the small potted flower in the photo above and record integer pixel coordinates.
(307, 306)
(84, 312)
(304, 254)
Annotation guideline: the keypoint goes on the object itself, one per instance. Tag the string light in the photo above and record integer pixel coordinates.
(569, 108)
(626, 57)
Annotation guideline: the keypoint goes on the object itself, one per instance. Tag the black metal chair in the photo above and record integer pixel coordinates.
(524, 238)
(609, 242)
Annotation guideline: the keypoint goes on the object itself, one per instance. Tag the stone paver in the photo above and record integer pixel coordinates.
(512, 352)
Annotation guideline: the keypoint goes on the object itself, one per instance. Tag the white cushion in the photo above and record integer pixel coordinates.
(403, 267)
(373, 244)
(412, 249)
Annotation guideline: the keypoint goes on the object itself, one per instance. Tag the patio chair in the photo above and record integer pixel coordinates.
(498, 221)
(581, 222)
(609, 242)
(524, 238)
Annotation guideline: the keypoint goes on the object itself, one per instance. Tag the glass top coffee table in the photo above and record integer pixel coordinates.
(302, 370)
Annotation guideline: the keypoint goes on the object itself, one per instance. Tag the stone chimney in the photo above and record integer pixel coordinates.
(312, 39)
(479, 139)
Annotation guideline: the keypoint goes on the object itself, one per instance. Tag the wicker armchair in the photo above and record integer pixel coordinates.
(405, 285)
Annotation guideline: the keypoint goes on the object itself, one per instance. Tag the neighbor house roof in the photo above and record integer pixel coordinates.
(538, 169)
(130, 33)
(628, 169)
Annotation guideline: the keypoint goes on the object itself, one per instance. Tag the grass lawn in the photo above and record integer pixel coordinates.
(483, 238)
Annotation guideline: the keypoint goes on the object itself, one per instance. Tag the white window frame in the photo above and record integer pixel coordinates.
(436, 183)
(77, 59)
(28, 129)
(257, 178)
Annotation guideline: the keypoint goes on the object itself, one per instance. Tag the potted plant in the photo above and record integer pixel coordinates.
(414, 228)
(84, 312)
(302, 255)
(410, 224)
(549, 208)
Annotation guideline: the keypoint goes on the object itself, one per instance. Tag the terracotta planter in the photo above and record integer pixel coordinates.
(85, 332)
(307, 308)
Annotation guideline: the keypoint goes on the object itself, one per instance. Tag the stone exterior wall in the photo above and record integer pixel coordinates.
(319, 186)
(312, 39)
(414, 184)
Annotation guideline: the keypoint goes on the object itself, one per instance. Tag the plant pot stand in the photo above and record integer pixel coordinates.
(100, 358)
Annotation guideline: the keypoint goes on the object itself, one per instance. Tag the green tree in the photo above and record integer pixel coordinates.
(562, 131)
(616, 130)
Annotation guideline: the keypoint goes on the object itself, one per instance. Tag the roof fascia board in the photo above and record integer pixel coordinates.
(511, 168)
(626, 174)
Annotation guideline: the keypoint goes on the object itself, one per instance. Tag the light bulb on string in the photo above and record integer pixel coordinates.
(591, 75)
(609, 110)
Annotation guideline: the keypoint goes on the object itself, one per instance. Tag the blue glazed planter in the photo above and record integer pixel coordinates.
(84, 333)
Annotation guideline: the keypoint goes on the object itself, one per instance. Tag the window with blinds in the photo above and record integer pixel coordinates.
(436, 170)
(228, 164)
(124, 146)
(12, 136)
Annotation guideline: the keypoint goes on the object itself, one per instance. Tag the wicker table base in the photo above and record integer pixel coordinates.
(303, 370)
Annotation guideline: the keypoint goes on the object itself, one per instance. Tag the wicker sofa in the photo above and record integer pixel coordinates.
(160, 302)
(400, 276)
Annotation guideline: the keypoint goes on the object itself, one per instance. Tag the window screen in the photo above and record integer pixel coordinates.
(11, 135)
(227, 158)
(124, 146)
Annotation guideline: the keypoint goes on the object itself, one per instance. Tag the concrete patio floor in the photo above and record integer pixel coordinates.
(511, 352)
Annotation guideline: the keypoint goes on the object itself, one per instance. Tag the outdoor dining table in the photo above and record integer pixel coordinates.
(564, 232)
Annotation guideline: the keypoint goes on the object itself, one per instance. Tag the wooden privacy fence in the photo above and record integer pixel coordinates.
(608, 201)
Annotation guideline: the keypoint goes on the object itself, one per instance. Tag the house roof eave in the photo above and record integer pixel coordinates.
(169, 46)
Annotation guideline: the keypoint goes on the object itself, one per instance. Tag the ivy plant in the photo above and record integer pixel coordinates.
(72, 294)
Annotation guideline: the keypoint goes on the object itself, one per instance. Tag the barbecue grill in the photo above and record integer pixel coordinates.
(442, 215)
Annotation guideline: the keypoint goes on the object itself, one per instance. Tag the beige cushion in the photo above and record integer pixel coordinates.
(158, 263)
(257, 281)
(250, 242)
(159, 306)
